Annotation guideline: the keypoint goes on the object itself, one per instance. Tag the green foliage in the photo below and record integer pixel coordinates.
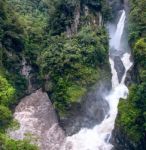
(14, 125)
(5, 116)
(31, 16)
(75, 92)
(62, 12)
(60, 96)
(106, 10)
(6, 92)
(61, 15)
(92, 3)
(73, 63)
(8, 144)
(2, 9)
(11, 46)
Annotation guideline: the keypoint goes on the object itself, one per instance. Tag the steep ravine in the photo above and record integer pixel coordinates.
(36, 115)
(87, 128)
(98, 137)
(38, 120)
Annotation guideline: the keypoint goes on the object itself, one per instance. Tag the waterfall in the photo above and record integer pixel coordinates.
(98, 137)
(117, 37)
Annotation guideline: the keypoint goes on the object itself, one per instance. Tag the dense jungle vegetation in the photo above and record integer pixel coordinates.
(132, 112)
(34, 32)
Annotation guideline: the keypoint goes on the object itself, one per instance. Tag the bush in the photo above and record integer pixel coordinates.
(132, 113)
(8, 144)
(5, 116)
(73, 62)
(140, 52)
(6, 92)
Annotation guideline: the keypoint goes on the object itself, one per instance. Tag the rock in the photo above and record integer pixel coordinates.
(119, 67)
(121, 141)
(38, 121)
(74, 26)
(90, 112)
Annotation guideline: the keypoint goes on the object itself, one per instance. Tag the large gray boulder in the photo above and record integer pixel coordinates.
(38, 121)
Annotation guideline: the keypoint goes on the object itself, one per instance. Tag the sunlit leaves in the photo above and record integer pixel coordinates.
(9, 144)
(6, 92)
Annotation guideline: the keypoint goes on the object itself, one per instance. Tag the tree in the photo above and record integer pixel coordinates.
(140, 52)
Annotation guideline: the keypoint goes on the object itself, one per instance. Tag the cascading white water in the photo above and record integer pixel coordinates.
(115, 42)
(98, 137)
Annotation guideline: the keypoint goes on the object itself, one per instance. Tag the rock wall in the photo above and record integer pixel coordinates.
(74, 26)
(90, 18)
(92, 109)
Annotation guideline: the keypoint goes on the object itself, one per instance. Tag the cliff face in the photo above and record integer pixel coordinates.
(84, 15)
(38, 122)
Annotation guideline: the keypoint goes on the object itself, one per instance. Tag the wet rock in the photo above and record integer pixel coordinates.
(90, 112)
(119, 67)
(121, 141)
(130, 78)
(38, 121)
(126, 5)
